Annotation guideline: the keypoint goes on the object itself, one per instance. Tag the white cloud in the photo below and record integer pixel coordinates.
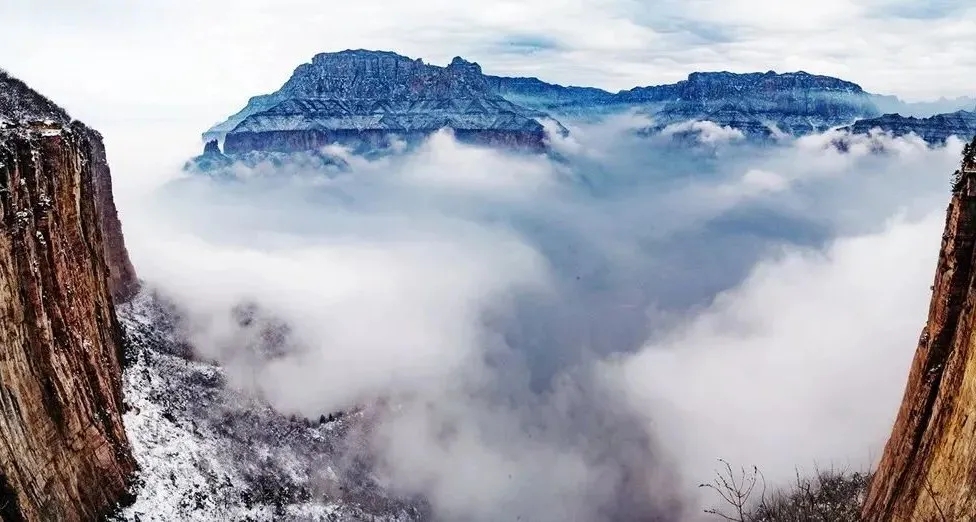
(368, 319)
(444, 163)
(461, 281)
(707, 132)
(803, 364)
(763, 180)
(520, 313)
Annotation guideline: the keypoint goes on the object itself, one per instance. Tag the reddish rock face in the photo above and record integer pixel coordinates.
(64, 454)
(928, 469)
(122, 280)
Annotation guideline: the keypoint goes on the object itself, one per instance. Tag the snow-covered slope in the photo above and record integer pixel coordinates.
(208, 452)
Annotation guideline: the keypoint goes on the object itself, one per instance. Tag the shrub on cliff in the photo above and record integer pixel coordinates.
(828, 496)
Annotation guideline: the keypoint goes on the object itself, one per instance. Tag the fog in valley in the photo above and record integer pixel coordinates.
(572, 336)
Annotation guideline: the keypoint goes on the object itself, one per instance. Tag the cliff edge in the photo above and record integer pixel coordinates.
(64, 454)
(928, 469)
(23, 108)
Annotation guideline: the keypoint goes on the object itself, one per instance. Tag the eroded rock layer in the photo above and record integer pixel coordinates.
(64, 455)
(928, 469)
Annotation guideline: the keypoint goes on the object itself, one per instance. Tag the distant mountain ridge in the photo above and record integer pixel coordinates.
(760, 105)
(934, 129)
(366, 99)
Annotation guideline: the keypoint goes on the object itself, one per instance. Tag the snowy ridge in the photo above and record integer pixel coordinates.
(208, 452)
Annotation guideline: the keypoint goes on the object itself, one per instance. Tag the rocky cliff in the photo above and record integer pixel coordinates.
(21, 107)
(122, 280)
(927, 471)
(64, 454)
(364, 98)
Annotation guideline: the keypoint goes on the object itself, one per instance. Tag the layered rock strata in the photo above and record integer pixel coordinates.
(64, 454)
(365, 98)
(928, 469)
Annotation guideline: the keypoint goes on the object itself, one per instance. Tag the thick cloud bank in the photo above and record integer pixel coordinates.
(574, 338)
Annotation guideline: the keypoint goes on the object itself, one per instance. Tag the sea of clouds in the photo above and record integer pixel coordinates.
(576, 336)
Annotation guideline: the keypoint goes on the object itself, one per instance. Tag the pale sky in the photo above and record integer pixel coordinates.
(199, 61)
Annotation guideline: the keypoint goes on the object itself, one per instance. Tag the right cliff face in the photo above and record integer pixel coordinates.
(928, 469)
(64, 454)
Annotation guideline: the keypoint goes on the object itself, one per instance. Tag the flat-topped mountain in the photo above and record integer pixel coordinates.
(722, 85)
(550, 97)
(758, 104)
(362, 98)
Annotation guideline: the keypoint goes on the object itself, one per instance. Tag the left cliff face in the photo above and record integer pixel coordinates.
(24, 108)
(64, 454)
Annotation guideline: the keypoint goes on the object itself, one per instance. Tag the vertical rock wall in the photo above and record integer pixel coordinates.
(64, 455)
(928, 469)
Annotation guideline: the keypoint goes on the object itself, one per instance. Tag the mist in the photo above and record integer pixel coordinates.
(567, 337)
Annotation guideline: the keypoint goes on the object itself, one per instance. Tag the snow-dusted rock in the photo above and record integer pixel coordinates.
(209, 452)
(363, 97)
